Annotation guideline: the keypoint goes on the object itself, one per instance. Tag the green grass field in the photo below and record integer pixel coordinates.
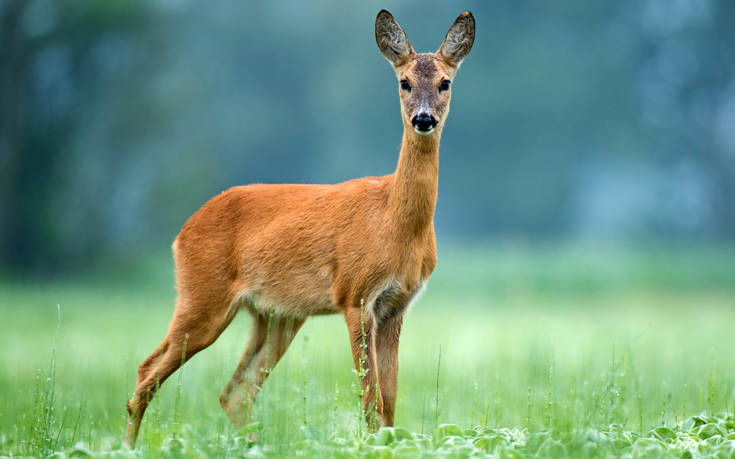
(511, 352)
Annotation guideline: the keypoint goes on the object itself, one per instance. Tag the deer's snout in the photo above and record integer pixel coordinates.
(424, 123)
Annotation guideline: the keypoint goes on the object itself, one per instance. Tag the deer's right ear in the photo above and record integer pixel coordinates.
(392, 39)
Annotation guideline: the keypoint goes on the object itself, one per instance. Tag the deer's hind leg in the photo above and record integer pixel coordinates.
(270, 338)
(195, 326)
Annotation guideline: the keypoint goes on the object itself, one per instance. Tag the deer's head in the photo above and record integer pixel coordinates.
(424, 79)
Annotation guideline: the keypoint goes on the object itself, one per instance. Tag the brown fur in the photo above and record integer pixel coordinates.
(286, 252)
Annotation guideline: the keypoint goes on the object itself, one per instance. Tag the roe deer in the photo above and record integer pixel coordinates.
(287, 252)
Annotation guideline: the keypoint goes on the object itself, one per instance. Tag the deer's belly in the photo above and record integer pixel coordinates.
(295, 294)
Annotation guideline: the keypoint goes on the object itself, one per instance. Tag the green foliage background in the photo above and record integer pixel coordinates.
(559, 352)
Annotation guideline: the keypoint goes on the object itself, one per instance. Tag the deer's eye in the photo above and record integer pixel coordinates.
(444, 86)
(405, 86)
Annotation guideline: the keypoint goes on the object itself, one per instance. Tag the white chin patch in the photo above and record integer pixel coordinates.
(423, 132)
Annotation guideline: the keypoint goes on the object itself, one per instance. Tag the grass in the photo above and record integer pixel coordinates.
(512, 351)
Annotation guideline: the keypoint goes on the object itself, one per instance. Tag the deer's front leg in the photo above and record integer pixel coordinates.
(362, 342)
(387, 336)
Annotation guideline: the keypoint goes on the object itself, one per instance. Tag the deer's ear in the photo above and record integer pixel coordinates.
(392, 39)
(459, 40)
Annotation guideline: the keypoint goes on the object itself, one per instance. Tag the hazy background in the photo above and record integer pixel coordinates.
(572, 120)
(586, 223)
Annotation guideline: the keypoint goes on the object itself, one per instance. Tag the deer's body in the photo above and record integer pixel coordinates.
(303, 250)
(362, 248)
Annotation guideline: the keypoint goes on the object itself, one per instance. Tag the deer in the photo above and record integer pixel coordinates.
(363, 248)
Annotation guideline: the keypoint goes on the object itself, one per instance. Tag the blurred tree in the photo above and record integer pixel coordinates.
(48, 72)
(687, 96)
(118, 119)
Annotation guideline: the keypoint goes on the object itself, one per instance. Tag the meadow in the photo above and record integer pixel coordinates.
(511, 352)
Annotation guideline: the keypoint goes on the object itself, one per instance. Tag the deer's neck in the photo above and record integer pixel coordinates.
(415, 183)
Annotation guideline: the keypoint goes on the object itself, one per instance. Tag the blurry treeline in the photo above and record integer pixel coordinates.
(572, 119)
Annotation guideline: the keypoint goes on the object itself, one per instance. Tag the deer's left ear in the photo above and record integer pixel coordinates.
(459, 40)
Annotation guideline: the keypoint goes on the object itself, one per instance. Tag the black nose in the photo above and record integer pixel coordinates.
(424, 122)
